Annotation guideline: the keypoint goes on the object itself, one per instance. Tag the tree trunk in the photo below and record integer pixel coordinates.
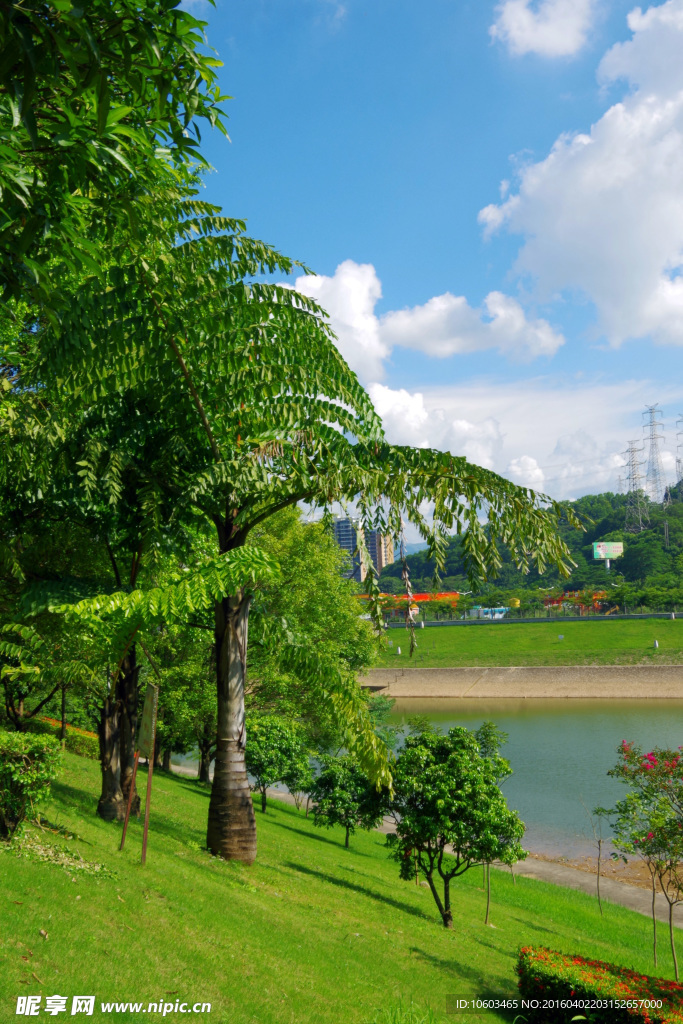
(263, 799)
(158, 757)
(598, 879)
(447, 915)
(111, 806)
(204, 764)
(127, 695)
(346, 841)
(166, 765)
(231, 832)
(488, 892)
(439, 904)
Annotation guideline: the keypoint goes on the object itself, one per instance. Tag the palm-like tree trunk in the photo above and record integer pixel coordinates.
(232, 824)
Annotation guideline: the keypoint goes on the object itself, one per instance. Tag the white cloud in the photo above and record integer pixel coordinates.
(444, 326)
(526, 472)
(551, 28)
(541, 433)
(602, 214)
(404, 415)
(350, 298)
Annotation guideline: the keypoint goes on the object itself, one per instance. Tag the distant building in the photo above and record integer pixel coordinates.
(381, 547)
(345, 535)
(487, 613)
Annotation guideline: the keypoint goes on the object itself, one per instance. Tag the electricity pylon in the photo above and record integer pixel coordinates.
(637, 517)
(654, 478)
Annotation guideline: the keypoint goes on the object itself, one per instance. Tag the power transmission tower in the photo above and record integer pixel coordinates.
(654, 479)
(679, 449)
(637, 517)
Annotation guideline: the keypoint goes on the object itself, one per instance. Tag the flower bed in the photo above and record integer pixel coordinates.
(561, 986)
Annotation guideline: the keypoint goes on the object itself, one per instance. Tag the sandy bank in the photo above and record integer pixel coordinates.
(622, 682)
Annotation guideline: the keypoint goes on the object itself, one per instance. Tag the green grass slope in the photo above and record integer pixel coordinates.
(310, 933)
(601, 641)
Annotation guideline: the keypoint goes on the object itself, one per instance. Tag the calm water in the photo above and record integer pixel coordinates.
(560, 752)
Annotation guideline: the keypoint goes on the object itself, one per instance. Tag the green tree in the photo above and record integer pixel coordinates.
(342, 794)
(649, 821)
(252, 410)
(275, 752)
(450, 813)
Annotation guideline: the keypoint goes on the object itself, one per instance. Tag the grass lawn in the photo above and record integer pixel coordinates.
(311, 933)
(588, 642)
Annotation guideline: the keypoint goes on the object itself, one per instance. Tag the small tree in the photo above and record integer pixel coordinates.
(299, 779)
(275, 752)
(343, 795)
(450, 813)
(490, 739)
(649, 821)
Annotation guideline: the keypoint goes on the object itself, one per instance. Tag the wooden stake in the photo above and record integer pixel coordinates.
(150, 770)
(130, 799)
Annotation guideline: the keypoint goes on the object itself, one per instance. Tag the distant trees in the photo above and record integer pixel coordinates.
(450, 813)
(648, 563)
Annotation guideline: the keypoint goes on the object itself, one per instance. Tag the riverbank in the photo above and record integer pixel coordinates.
(584, 682)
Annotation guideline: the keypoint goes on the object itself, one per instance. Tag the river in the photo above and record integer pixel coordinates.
(560, 752)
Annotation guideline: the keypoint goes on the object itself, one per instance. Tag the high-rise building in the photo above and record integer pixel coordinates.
(381, 547)
(345, 536)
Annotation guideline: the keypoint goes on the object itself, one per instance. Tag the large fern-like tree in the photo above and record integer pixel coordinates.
(258, 412)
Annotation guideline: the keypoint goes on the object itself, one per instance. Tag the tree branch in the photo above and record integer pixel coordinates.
(117, 575)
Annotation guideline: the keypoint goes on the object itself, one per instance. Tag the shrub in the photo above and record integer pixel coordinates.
(28, 764)
(545, 975)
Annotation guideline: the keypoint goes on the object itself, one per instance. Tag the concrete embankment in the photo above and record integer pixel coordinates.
(622, 682)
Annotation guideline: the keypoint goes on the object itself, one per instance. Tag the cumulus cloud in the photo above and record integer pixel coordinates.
(350, 298)
(526, 472)
(447, 324)
(403, 414)
(444, 326)
(602, 214)
(551, 28)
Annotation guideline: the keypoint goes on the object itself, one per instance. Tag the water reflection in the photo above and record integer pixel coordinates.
(560, 751)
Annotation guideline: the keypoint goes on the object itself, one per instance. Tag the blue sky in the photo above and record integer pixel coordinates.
(491, 196)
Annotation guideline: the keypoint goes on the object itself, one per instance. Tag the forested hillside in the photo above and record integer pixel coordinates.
(648, 561)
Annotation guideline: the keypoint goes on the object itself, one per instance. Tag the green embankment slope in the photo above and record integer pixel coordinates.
(596, 641)
(311, 933)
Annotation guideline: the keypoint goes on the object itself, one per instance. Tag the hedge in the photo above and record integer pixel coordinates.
(549, 978)
(77, 741)
(28, 764)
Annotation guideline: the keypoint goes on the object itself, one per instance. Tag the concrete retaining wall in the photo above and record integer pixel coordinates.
(646, 682)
